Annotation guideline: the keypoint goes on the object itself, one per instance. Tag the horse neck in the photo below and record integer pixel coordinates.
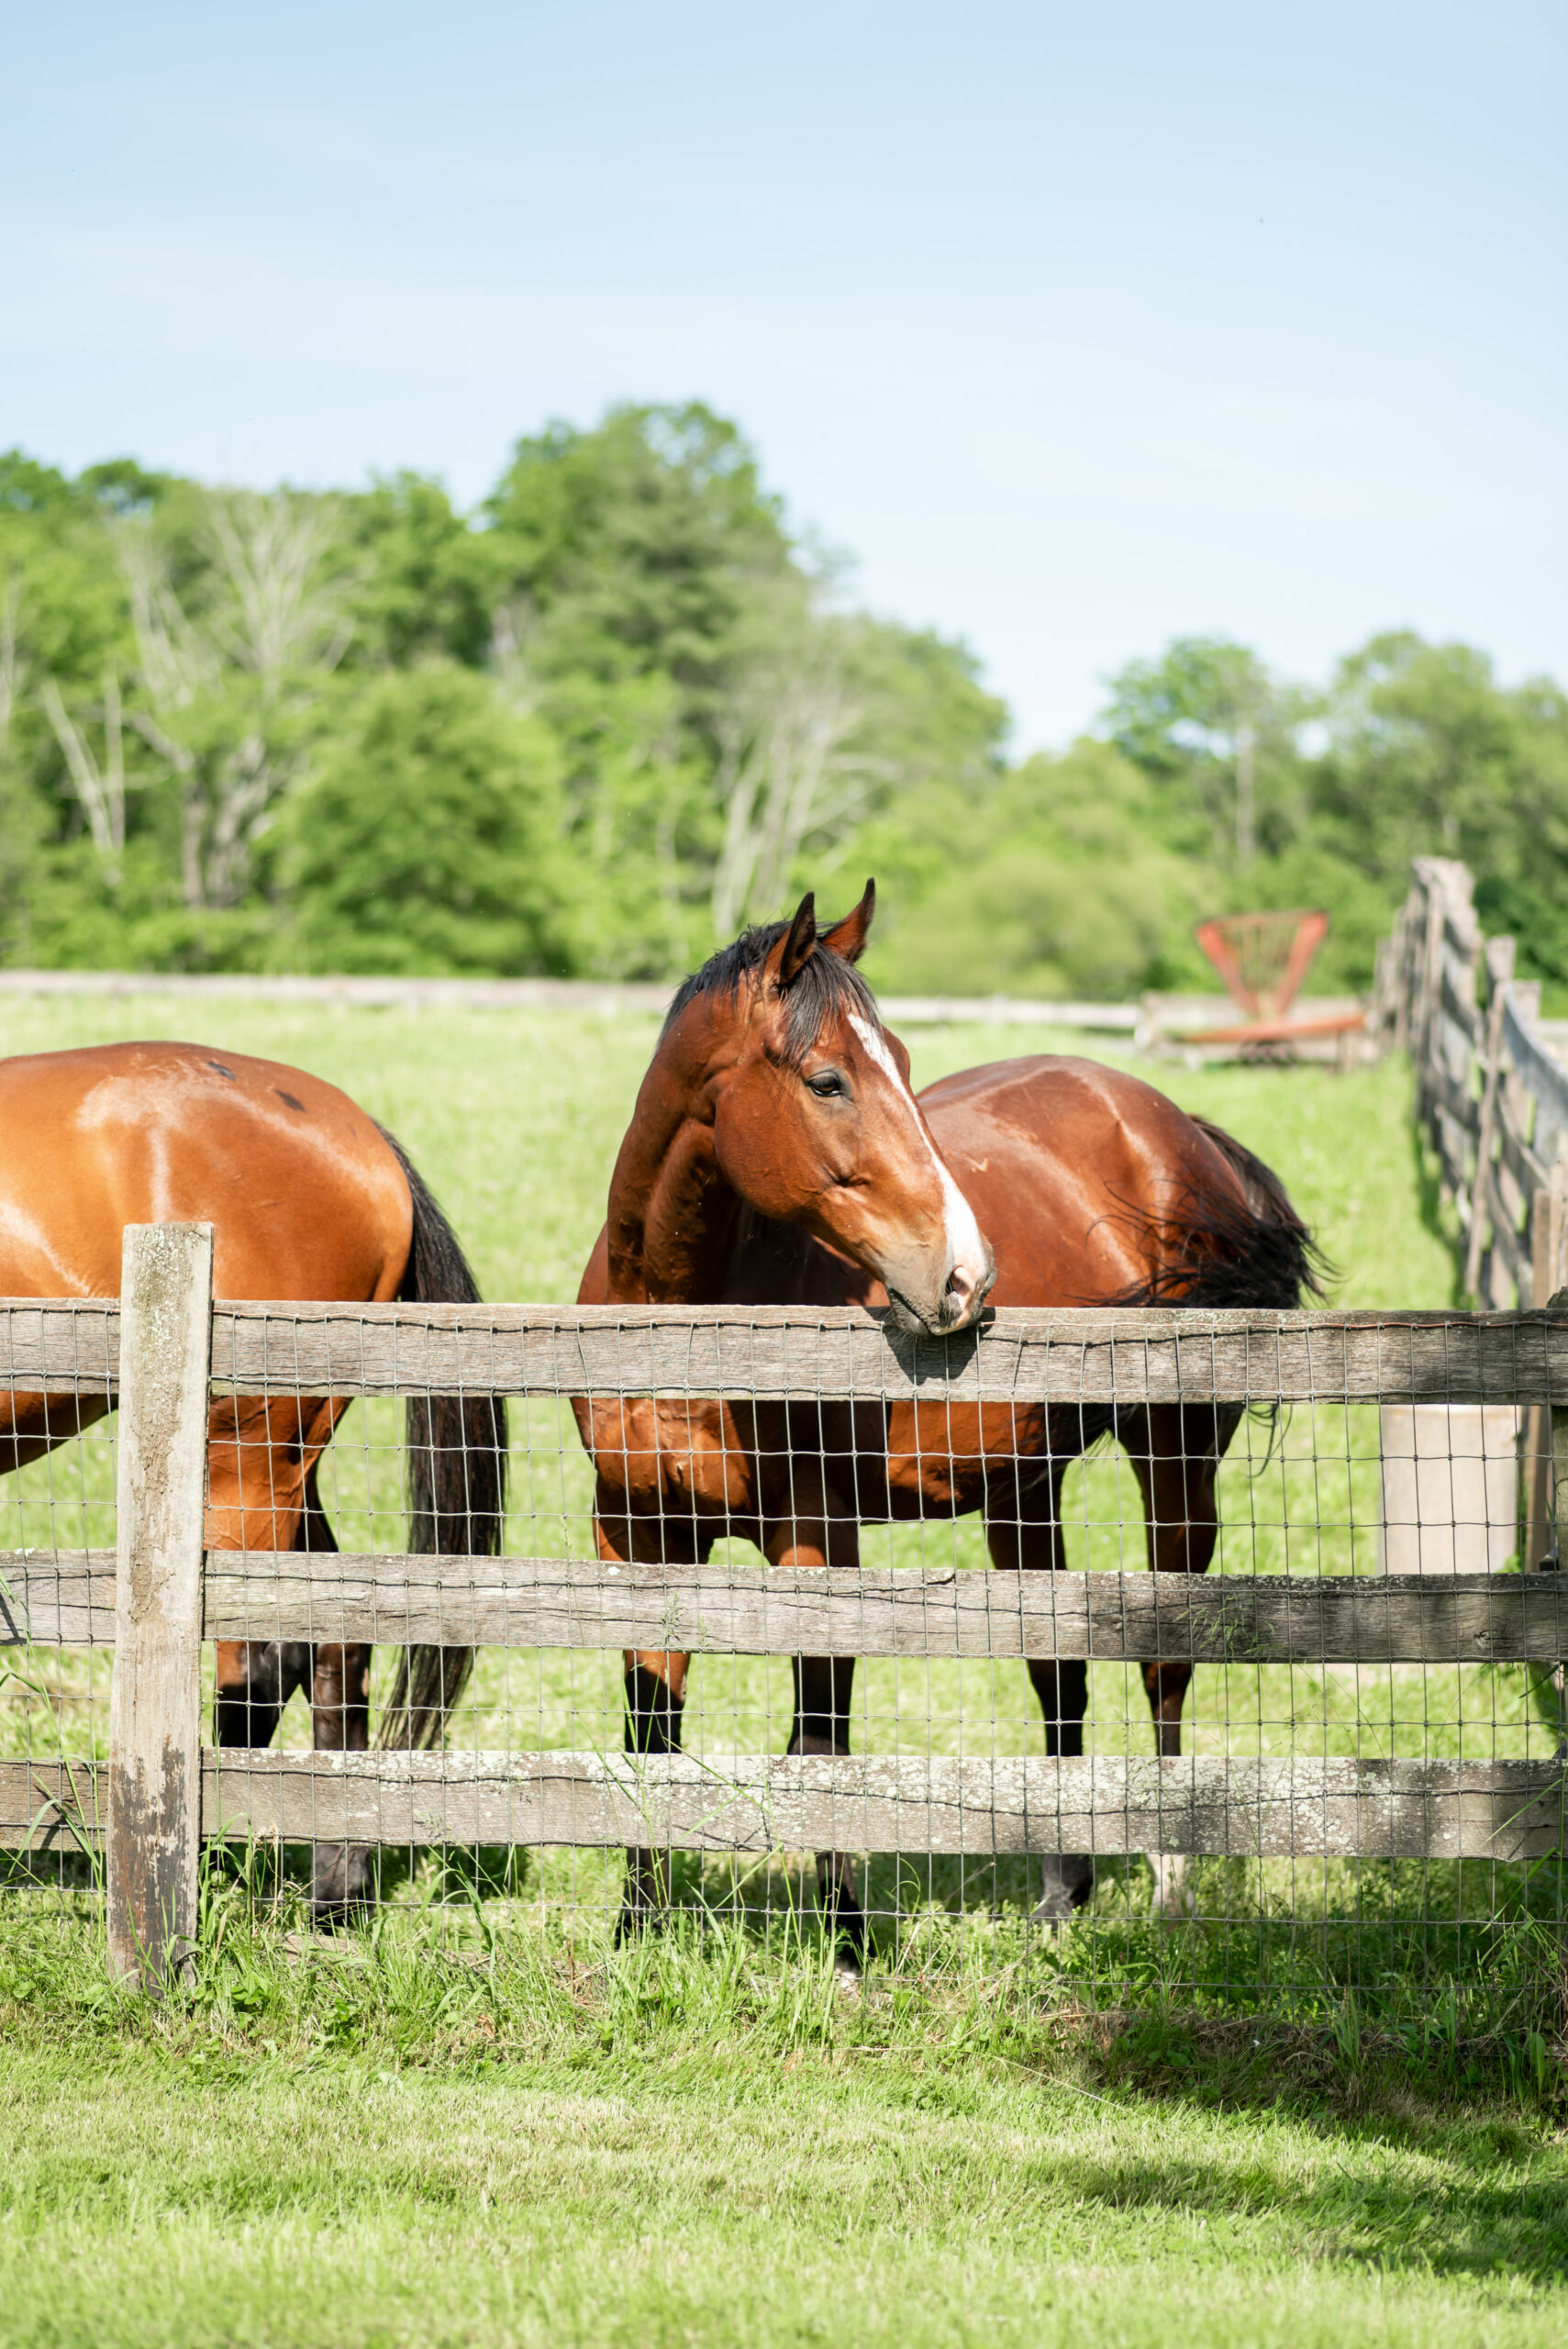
(673, 1218)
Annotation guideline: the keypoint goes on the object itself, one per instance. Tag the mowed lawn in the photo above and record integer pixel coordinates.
(385, 2142)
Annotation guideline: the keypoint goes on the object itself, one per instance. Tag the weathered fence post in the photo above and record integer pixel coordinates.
(1549, 1216)
(155, 1759)
(1551, 1550)
(1426, 1001)
(1499, 972)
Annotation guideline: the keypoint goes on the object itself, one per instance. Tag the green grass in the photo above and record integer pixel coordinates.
(475, 2124)
(685, 2145)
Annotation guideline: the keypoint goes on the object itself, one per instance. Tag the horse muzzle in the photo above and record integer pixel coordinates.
(922, 1312)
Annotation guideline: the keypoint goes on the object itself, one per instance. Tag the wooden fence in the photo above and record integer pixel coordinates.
(161, 1593)
(1492, 1098)
(1491, 1094)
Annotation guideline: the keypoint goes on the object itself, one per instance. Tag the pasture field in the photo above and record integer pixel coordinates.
(442, 2129)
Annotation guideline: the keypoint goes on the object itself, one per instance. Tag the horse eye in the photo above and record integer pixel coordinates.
(826, 1086)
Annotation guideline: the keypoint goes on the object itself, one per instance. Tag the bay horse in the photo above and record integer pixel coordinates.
(309, 1199)
(777, 1156)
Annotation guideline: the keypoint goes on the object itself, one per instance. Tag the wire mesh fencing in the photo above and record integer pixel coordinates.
(1333, 1760)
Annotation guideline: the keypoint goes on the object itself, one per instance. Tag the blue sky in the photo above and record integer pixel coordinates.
(1078, 328)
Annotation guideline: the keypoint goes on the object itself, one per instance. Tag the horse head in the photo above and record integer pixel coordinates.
(815, 1124)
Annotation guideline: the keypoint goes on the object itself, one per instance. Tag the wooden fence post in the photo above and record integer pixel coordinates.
(1551, 1552)
(1547, 1222)
(1499, 972)
(1426, 1002)
(1404, 972)
(155, 1760)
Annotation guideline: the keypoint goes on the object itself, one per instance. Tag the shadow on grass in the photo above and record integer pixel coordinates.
(1457, 2224)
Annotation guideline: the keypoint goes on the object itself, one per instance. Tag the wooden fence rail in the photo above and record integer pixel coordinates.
(1020, 1357)
(751, 1802)
(1106, 1616)
(161, 1593)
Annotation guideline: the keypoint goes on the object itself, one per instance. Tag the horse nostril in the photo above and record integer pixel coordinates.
(960, 1287)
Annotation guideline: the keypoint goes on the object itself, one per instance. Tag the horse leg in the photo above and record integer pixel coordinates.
(1029, 1541)
(251, 1508)
(342, 1874)
(1175, 1457)
(655, 1700)
(257, 1677)
(822, 1689)
(820, 1532)
(255, 1680)
(261, 1495)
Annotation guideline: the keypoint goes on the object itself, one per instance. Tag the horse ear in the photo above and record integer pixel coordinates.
(801, 944)
(849, 936)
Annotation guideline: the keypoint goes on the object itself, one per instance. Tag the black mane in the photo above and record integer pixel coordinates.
(824, 987)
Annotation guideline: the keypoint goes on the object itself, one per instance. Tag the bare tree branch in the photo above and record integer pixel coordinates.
(280, 615)
(100, 792)
(790, 765)
(13, 667)
(227, 683)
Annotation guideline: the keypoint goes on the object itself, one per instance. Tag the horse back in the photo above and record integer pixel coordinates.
(305, 1196)
(1091, 1186)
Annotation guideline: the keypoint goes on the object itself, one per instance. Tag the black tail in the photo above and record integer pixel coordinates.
(1220, 1253)
(457, 1472)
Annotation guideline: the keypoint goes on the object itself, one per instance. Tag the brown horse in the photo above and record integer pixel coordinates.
(776, 1155)
(308, 1200)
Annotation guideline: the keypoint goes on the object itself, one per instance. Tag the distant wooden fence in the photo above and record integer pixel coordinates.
(1491, 1093)
(604, 996)
(1492, 1098)
(161, 1593)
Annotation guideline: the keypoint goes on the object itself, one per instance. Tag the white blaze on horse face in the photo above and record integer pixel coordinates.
(969, 1259)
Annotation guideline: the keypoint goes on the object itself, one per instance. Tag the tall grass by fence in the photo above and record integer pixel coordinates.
(1372, 1793)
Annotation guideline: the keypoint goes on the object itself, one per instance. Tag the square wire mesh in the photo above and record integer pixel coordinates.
(1296, 1892)
(57, 1602)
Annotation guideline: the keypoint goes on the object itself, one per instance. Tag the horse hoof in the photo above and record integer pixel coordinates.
(1067, 1883)
(848, 1961)
(1054, 1910)
(632, 1923)
(342, 1892)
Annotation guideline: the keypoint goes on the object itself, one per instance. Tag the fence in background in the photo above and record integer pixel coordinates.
(1374, 1789)
(1491, 1093)
(607, 997)
(1492, 1098)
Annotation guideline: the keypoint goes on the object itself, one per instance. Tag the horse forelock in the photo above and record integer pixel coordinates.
(826, 988)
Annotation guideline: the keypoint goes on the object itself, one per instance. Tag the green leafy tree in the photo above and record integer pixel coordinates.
(1054, 882)
(1428, 754)
(424, 582)
(600, 722)
(232, 664)
(632, 548)
(64, 638)
(1216, 734)
(428, 835)
(862, 736)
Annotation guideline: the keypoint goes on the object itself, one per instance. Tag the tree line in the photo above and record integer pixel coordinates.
(592, 726)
